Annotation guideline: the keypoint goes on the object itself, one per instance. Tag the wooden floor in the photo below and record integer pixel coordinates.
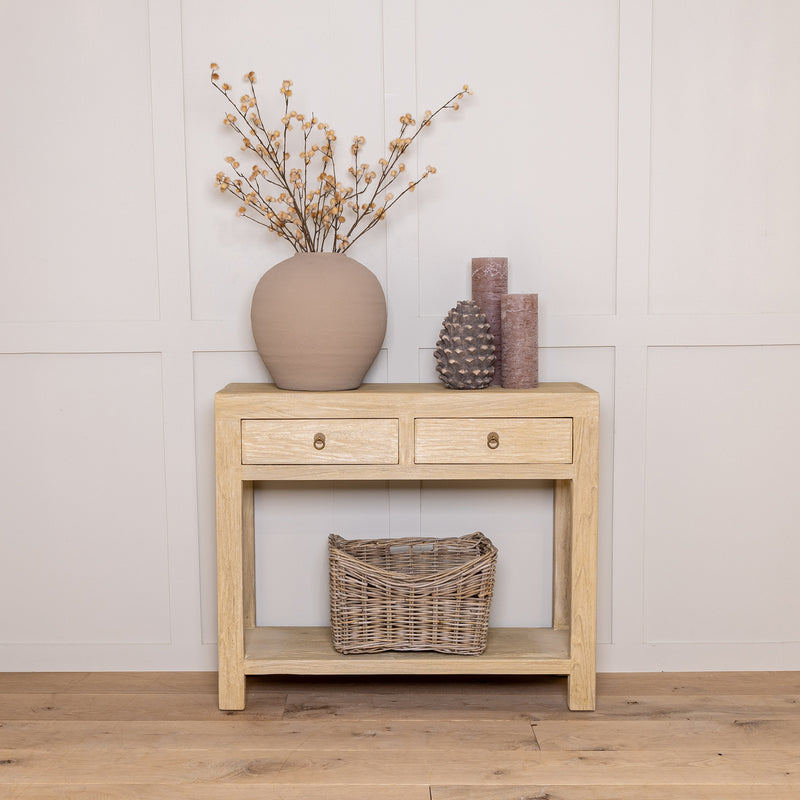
(159, 735)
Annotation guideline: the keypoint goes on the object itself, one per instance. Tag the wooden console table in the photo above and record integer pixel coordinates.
(392, 432)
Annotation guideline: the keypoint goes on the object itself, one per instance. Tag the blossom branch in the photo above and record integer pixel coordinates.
(331, 213)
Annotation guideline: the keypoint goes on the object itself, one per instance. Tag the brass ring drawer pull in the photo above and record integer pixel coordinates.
(493, 440)
(319, 441)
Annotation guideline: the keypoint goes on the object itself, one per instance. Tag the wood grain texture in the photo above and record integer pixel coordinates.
(128, 706)
(261, 734)
(319, 441)
(518, 441)
(562, 543)
(640, 792)
(653, 737)
(248, 555)
(191, 791)
(233, 517)
(583, 561)
(623, 734)
(340, 766)
(408, 432)
(308, 651)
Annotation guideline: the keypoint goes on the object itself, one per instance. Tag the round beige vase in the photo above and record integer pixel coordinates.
(318, 321)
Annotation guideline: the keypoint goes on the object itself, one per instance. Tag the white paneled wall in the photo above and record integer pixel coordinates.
(85, 501)
(531, 166)
(725, 192)
(636, 161)
(702, 571)
(78, 224)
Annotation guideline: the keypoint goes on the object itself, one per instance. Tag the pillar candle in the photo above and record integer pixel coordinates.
(489, 282)
(519, 315)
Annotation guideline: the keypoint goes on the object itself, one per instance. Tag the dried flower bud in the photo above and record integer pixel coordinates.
(303, 214)
(357, 142)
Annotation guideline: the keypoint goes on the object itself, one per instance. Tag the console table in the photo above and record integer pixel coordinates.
(396, 432)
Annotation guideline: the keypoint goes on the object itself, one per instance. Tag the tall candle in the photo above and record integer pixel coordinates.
(519, 315)
(489, 283)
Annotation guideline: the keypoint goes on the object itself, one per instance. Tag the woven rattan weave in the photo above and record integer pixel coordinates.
(411, 594)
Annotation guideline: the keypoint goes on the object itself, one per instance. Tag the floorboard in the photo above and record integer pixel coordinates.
(704, 736)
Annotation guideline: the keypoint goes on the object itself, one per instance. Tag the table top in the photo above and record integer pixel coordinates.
(410, 388)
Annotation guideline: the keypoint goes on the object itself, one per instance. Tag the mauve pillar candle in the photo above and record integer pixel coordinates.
(489, 283)
(519, 315)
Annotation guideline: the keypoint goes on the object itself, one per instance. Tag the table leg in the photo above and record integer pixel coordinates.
(583, 577)
(562, 527)
(248, 555)
(230, 595)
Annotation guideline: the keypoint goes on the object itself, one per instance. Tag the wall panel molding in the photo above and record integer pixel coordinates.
(634, 159)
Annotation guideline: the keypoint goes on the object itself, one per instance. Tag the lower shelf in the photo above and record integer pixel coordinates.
(308, 651)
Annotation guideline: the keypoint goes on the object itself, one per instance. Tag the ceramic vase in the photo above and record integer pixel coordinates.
(318, 320)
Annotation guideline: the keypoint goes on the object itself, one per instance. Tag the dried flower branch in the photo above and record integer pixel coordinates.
(313, 210)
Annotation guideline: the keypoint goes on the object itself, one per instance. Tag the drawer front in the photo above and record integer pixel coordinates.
(493, 441)
(319, 441)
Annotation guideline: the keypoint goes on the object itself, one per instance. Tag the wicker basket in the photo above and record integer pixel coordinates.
(411, 594)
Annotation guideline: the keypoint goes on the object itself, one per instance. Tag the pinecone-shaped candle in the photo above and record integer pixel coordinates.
(465, 353)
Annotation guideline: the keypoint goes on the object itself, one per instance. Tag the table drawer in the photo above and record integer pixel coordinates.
(534, 440)
(319, 441)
